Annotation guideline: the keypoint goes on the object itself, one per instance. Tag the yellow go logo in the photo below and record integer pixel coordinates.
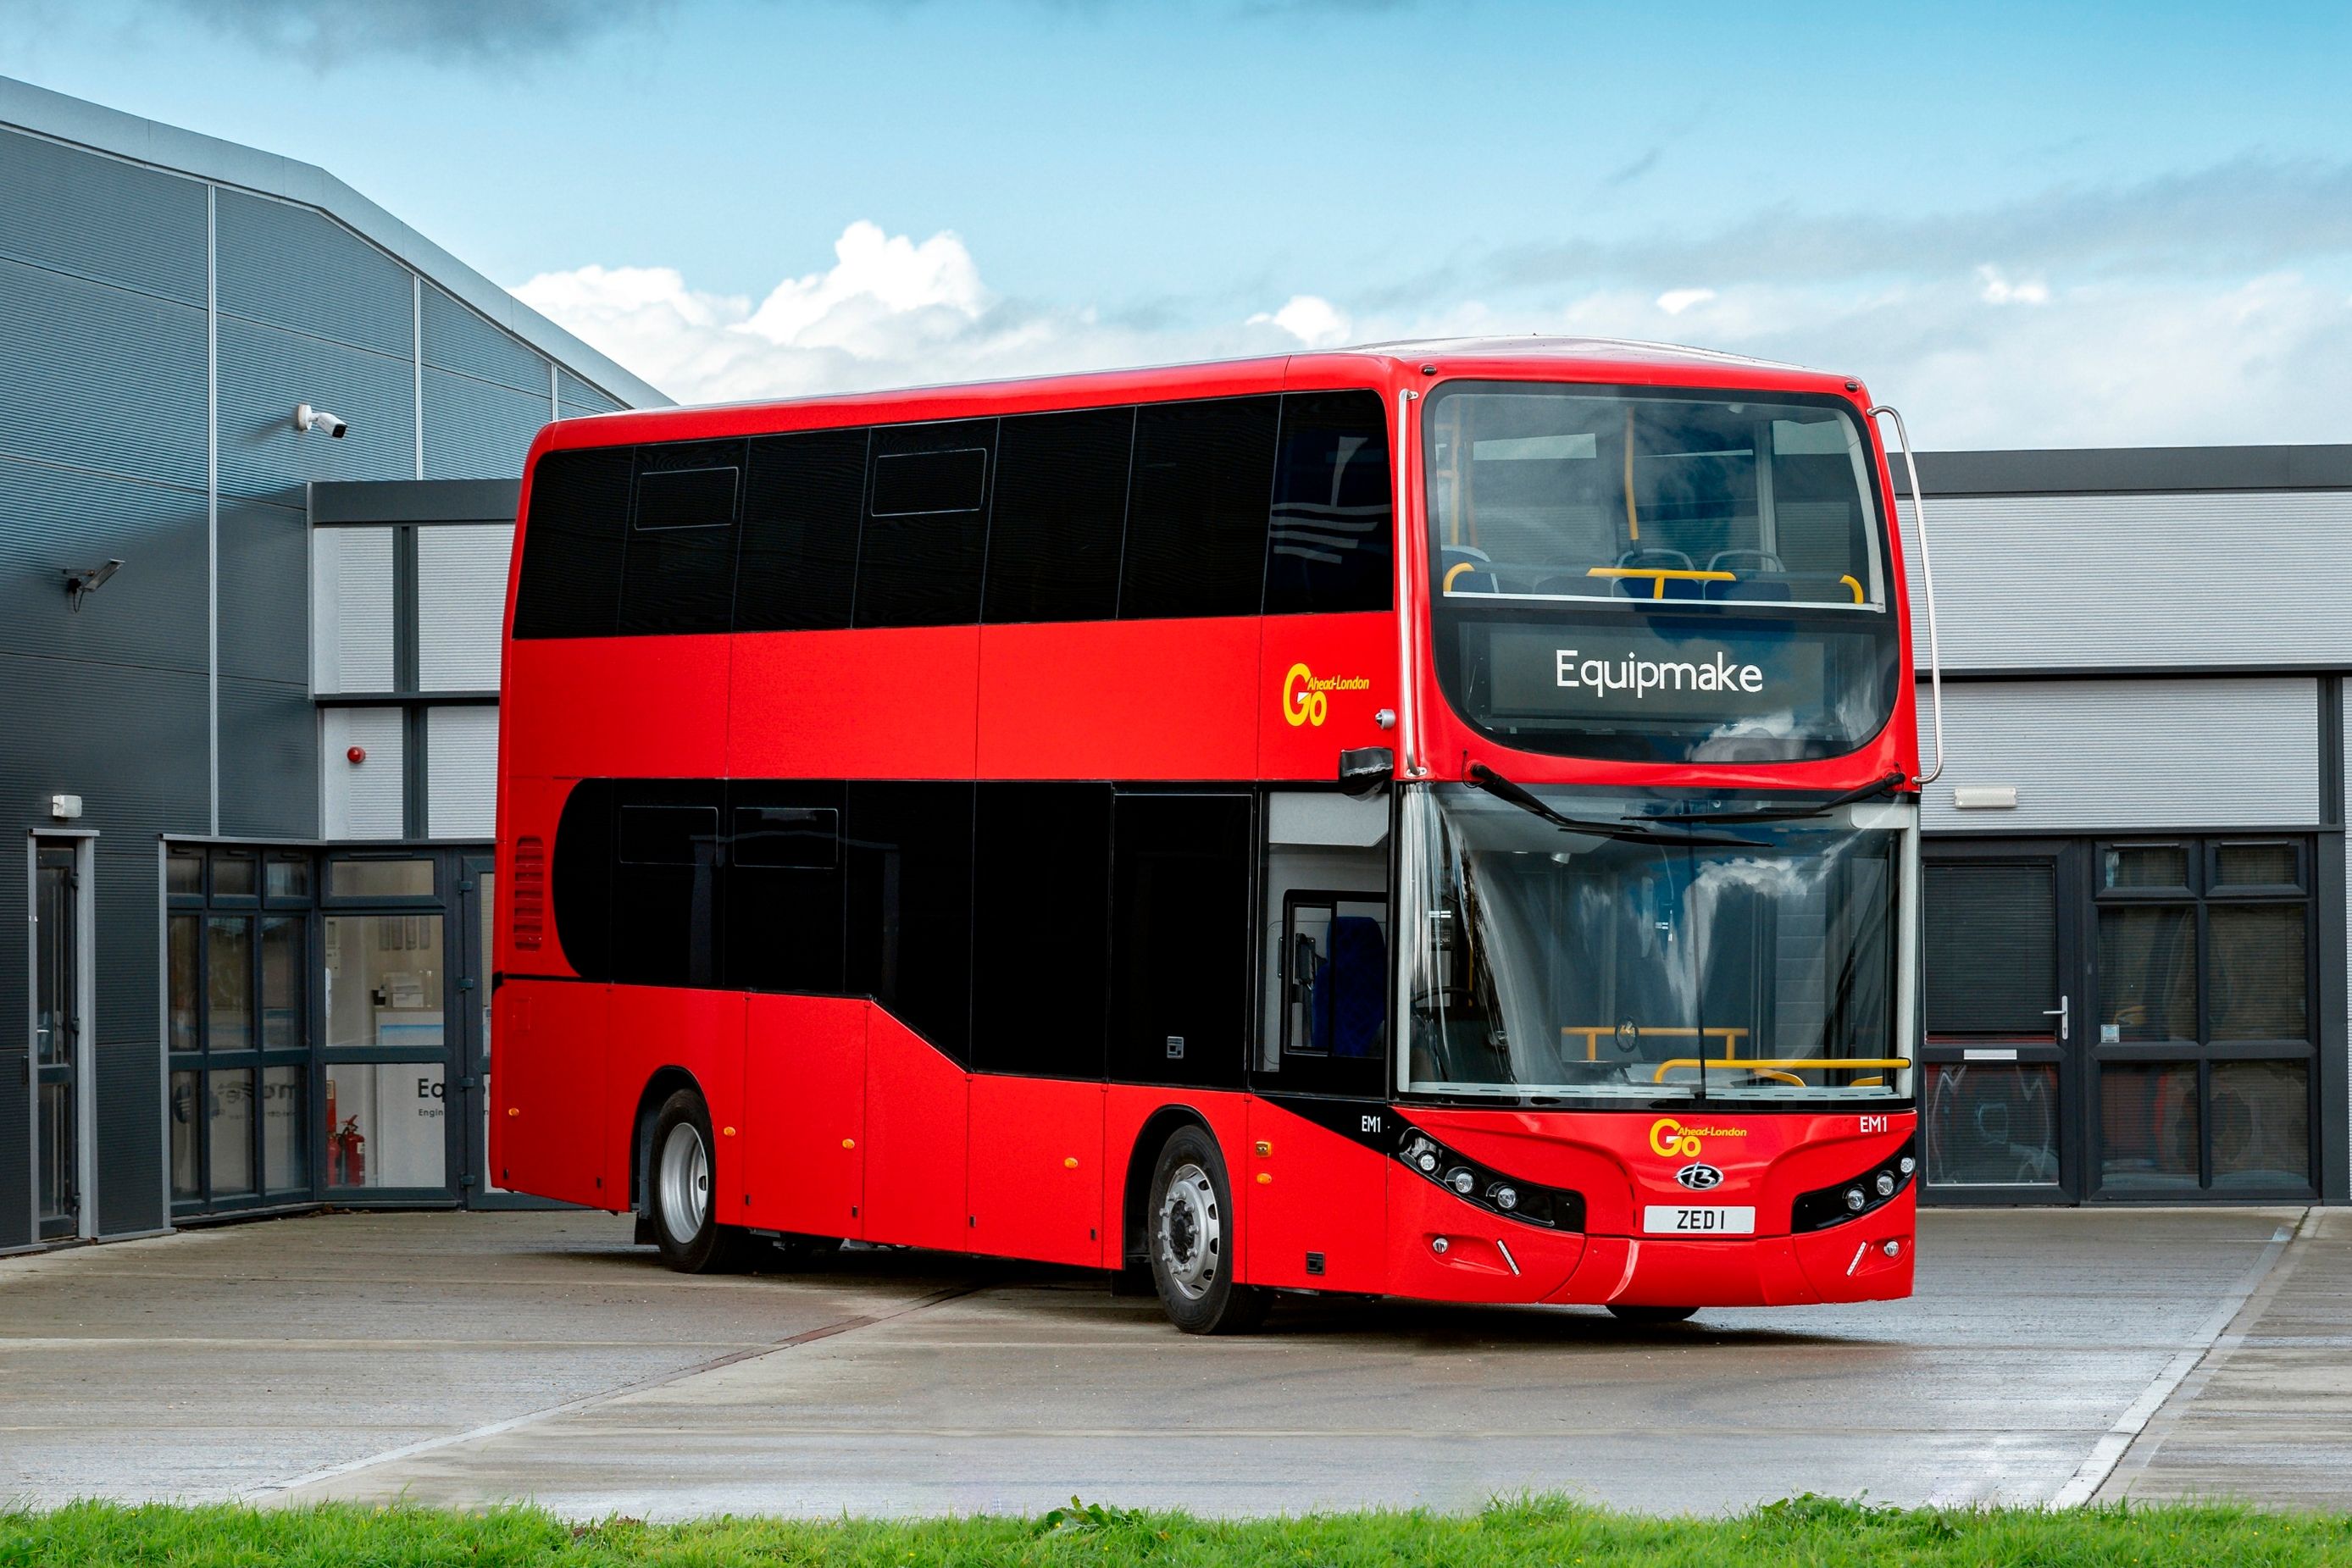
(1668, 1139)
(1301, 703)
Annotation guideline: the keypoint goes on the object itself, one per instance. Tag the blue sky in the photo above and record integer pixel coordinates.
(2032, 224)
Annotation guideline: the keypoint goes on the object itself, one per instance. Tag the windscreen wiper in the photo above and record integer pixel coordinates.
(1782, 813)
(1625, 830)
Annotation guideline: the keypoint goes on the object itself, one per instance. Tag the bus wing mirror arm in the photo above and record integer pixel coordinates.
(1364, 770)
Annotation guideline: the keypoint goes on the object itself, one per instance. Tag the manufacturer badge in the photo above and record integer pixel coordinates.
(1699, 1178)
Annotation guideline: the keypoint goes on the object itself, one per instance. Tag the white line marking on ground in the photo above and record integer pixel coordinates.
(2110, 1451)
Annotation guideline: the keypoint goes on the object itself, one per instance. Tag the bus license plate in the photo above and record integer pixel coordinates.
(1674, 1219)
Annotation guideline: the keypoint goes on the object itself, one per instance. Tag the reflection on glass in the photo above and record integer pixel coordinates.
(386, 1125)
(285, 1166)
(2147, 974)
(184, 944)
(281, 983)
(228, 983)
(1992, 1125)
(289, 876)
(184, 873)
(2254, 866)
(2255, 983)
(233, 873)
(230, 1140)
(380, 879)
(2147, 865)
(187, 1181)
(2262, 1125)
(384, 980)
(2149, 1126)
(55, 1155)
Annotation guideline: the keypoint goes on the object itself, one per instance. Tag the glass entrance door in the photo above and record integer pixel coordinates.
(57, 1035)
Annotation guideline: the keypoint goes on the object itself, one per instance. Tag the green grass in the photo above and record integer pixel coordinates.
(1816, 1532)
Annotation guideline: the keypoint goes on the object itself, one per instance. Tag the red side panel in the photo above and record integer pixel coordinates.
(888, 702)
(805, 1114)
(645, 707)
(1322, 679)
(1312, 1191)
(915, 1117)
(1126, 1112)
(532, 807)
(1037, 1169)
(654, 1027)
(1118, 699)
(547, 1092)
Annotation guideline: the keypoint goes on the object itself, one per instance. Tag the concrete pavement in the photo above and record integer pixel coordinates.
(474, 1358)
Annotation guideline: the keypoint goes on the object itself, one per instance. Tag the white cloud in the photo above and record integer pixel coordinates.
(1675, 301)
(1999, 291)
(1309, 318)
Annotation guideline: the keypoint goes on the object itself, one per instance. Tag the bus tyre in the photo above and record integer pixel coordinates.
(680, 1191)
(1188, 1238)
(1649, 1316)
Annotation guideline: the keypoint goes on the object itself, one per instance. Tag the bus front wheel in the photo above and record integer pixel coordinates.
(1189, 1236)
(679, 1189)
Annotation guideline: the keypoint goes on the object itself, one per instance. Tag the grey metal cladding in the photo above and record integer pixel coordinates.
(152, 613)
(270, 760)
(291, 266)
(581, 397)
(2130, 756)
(2089, 582)
(265, 624)
(15, 1045)
(456, 339)
(129, 740)
(477, 431)
(101, 377)
(101, 218)
(265, 371)
(129, 1071)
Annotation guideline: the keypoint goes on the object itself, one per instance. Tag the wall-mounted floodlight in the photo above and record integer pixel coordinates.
(82, 580)
(307, 418)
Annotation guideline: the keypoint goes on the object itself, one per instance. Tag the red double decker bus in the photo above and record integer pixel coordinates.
(1435, 821)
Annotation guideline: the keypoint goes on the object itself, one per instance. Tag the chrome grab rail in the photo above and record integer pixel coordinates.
(1408, 624)
(1928, 580)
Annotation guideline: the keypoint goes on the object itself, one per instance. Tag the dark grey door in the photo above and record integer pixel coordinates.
(57, 1036)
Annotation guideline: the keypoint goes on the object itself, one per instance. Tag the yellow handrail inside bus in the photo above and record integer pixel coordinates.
(1456, 569)
(1659, 574)
(1730, 1036)
(1838, 1063)
(1851, 583)
(1633, 515)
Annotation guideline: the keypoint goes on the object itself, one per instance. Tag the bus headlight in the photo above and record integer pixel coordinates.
(1554, 1208)
(1874, 1188)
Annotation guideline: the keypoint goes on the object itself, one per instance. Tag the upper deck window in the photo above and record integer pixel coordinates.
(1658, 576)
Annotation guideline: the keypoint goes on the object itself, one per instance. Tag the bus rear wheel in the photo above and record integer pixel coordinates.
(1188, 1236)
(1652, 1316)
(679, 1190)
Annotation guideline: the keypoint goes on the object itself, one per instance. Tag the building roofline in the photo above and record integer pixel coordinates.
(2127, 470)
(62, 118)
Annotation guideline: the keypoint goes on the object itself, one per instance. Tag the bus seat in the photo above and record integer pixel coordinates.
(1358, 988)
(1746, 560)
(1751, 589)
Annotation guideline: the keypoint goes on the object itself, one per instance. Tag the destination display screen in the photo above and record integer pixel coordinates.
(1638, 672)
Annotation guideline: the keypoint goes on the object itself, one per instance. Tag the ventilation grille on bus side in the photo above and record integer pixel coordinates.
(529, 893)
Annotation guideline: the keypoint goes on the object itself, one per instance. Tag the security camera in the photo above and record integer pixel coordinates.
(308, 418)
(85, 580)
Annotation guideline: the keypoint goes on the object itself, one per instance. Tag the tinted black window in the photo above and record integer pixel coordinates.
(785, 888)
(582, 877)
(572, 539)
(920, 565)
(680, 571)
(1329, 548)
(1196, 515)
(665, 884)
(803, 496)
(1040, 934)
(909, 907)
(1060, 509)
(1181, 939)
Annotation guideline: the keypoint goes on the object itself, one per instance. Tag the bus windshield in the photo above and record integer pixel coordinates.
(1628, 573)
(1644, 960)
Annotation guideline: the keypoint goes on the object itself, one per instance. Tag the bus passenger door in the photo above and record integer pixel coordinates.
(804, 1112)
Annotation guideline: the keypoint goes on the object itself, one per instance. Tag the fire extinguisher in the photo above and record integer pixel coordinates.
(334, 1144)
(354, 1154)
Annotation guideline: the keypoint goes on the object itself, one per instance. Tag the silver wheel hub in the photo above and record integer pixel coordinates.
(1191, 1233)
(682, 1183)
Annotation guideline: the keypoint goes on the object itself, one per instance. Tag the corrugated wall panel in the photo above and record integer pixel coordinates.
(2151, 580)
(270, 760)
(291, 266)
(15, 1045)
(129, 740)
(265, 623)
(579, 397)
(151, 613)
(461, 590)
(351, 627)
(102, 377)
(2092, 755)
(264, 373)
(101, 218)
(477, 431)
(461, 772)
(457, 340)
(361, 799)
(127, 1040)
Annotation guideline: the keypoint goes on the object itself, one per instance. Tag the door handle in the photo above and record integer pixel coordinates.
(2063, 1013)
